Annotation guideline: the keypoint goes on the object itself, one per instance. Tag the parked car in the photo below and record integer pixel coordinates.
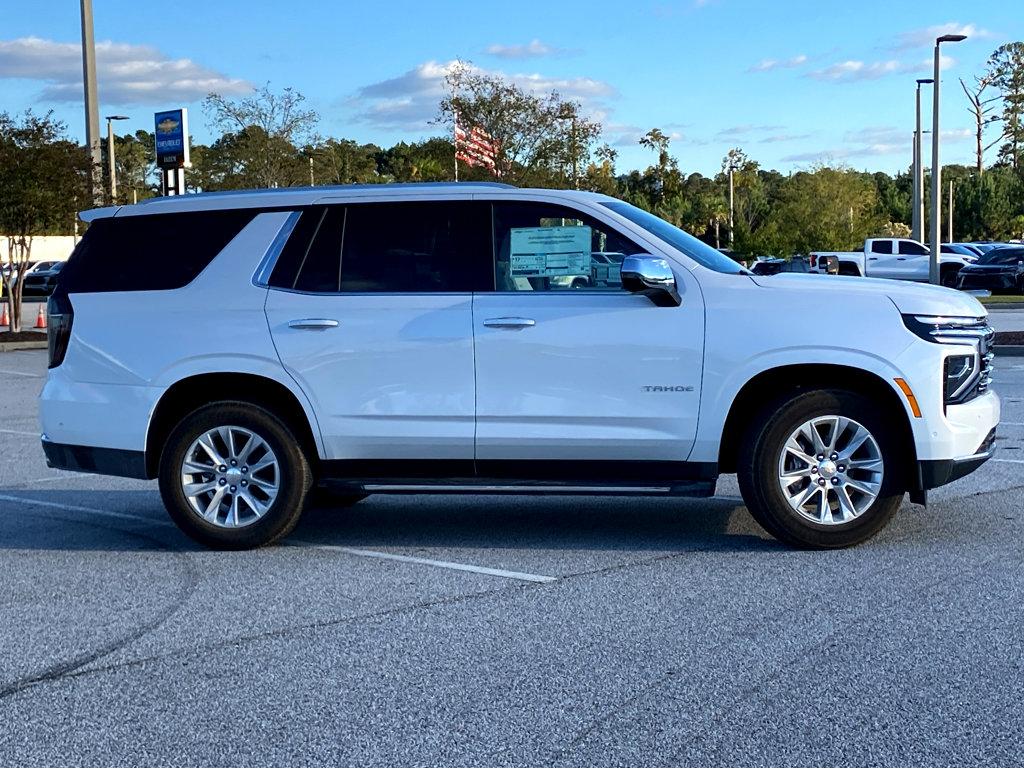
(984, 247)
(896, 258)
(409, 339)
(42, 279)
(1000, 271)
(970, 248)
(969, 254)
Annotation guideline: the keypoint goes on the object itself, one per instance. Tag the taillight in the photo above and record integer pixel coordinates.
(814, 260)
(59, 315)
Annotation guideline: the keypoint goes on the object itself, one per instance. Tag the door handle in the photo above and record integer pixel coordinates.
(901, 258)
(313, 324)
(510, 322)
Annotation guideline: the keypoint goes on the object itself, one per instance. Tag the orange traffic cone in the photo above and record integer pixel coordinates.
(40, 318)
(5, 319)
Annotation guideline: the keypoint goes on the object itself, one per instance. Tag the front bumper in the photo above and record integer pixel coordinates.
(992, 282)
(932, 473)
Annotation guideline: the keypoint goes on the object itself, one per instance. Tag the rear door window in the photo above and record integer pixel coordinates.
(430, 246)
(881, 246)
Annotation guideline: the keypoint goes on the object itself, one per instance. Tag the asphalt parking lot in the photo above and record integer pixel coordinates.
(504, 630)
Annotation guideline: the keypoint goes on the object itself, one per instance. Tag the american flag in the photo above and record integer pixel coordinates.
(476, 147)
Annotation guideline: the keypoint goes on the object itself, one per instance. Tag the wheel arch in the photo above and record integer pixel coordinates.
(795, 378)
(192, 392)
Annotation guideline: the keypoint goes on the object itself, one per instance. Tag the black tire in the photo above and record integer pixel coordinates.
(759, 466)
(849, 270)
(295, 476)
(949, 277)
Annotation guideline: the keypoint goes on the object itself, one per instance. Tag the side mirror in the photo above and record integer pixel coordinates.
(651, 276)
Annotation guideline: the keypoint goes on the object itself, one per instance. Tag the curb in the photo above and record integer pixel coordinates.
(41, 345)
(1009, 350)
(996, 307)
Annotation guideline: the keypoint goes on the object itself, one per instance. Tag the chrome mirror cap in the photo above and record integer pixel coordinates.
(651, 276)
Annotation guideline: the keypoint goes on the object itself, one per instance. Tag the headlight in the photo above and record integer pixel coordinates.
(959, 374)
(968, 370)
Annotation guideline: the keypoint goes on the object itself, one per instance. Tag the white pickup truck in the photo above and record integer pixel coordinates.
(896, 258)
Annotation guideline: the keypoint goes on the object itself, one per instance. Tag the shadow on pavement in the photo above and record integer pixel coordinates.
(482, 522)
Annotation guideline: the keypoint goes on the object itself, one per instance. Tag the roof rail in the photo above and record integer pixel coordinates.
(336, 188)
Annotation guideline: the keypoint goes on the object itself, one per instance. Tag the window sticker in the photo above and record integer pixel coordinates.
(546, 252)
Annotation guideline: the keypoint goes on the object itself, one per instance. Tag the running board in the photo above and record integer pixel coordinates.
(703, 488)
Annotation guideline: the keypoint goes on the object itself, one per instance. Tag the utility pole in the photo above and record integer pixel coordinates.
(311, 183)
(92, 110)
(934, 275)
(917, 216)
(949, 211)
(732, 229)
(110, 156)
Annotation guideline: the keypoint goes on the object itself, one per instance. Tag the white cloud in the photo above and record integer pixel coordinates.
(873, 141)
(410, 101)
(740, 131)
(534, 49)
(767, 65)
(854, 70)
(919, 38)
(127, 74)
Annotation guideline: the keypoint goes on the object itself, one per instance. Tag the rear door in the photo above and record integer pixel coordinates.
(576, 376)
(881, 261)
(370, 308)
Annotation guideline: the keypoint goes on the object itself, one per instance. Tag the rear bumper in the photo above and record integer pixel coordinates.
(932, 473)
(90, 459)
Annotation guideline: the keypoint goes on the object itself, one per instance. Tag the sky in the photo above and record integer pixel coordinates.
(791, 82)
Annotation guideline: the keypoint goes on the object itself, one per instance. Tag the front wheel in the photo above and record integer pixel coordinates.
(233, 476)
(822, 469)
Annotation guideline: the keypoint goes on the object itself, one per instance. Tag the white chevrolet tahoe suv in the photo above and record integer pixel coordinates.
(245, 347)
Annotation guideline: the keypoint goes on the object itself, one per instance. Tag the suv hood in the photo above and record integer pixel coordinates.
(909, 298)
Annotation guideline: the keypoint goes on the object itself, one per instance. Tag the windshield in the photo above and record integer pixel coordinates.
(697, 250)
(1002, 256)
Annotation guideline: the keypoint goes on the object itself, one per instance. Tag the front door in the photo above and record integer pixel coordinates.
(569, 366)
(370, 308)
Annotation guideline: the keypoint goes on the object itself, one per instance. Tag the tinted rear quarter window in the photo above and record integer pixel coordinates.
(151, 252)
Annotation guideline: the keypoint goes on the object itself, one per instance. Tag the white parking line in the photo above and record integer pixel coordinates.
(84, 509)
(429, 562)
(52, 478)
(20, 432)
(20, 373)
(1011, 461)
(336, 548)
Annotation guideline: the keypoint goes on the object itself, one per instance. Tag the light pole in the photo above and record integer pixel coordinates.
(917, 215)
(110, 155)
(936, 228)
(92, 110)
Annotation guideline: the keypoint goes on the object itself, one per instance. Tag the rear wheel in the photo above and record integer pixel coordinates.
(233, 476)
(822, 469)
